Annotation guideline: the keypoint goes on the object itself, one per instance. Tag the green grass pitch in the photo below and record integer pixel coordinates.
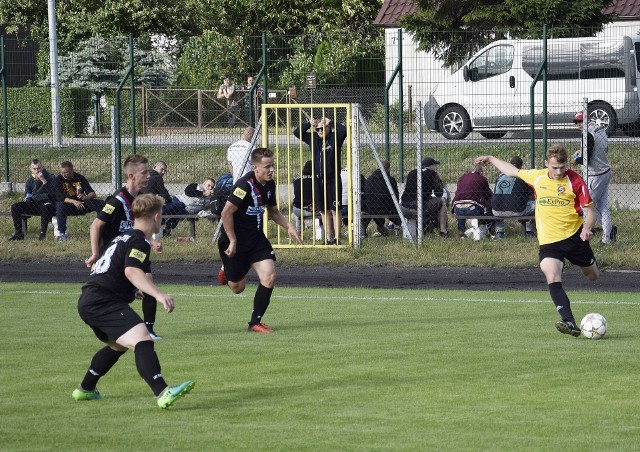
(345, 369)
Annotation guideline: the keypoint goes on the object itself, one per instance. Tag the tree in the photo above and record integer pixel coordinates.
(452, 30)
(204, 59)
(81, 19)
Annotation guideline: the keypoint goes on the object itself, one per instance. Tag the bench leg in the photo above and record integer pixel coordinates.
(192, 228)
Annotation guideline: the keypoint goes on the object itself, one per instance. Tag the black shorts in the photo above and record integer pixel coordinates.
(328, 199)
(107, 320)
(237, 267)
(574, 249)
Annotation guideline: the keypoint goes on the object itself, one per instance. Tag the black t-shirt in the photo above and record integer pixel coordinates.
(107, 282)
(252, 199)
(118, 214)
(68, 188)
(303, 191)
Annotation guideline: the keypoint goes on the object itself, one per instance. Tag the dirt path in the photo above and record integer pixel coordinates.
(466, 278)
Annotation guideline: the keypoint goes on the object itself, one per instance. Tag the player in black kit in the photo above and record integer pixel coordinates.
(117, 217)
(122, 268)
(242, 244)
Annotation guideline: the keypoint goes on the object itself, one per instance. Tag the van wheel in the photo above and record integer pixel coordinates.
(454, 123)
(604, 116)
(493, 135)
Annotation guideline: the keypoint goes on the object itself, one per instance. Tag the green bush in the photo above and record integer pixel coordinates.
(30, 110)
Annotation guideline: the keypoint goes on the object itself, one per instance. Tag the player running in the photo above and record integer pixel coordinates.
(242, 243)
(122, 268)
(561, 198)
(117, 217)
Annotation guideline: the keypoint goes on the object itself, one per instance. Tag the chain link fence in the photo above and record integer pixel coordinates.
(483, 107)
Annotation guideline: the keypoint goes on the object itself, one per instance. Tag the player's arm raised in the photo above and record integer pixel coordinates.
(505, 168)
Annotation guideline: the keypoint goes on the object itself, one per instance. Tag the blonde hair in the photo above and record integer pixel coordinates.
(144, 206)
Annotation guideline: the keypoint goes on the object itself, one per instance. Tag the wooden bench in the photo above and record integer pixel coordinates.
(191, 218)
(494, 218)
(24, 217)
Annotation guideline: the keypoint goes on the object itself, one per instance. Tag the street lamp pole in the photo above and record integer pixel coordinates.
(56, 126)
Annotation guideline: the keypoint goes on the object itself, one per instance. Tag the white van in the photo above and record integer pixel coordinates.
(491, 92)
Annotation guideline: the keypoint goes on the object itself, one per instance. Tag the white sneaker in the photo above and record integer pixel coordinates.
(62, 237)
(56, 231)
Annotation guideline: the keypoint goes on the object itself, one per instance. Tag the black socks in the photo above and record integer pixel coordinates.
(148, 366)
(260, 303)
(102, 361)
(561, 300)
(149, 305)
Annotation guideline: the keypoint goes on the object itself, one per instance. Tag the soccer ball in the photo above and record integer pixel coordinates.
(593, 326)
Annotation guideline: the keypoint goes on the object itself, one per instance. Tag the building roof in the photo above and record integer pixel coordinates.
(624, 8)
(392, 10)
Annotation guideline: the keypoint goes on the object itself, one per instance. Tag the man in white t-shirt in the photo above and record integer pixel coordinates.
(238, 153)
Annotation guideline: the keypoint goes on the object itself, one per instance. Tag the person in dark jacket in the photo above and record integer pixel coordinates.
(326, 145)
(172, 206)
(39, 200)
(197, 197)
(379, 199)
(304, 207)
(434, 194)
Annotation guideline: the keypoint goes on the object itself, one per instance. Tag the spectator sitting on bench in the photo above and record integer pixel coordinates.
(380, 200)
(172, 206)
(434, 205)
(74, 196)
(197, 198)
(39, 200)
(512, 197)
(473, 196)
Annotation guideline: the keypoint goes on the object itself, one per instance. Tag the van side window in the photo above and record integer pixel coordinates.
(576, 61)
(495, 61)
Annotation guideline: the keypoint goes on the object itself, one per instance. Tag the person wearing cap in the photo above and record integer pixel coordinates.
(597, 172)
(433, 196)
(325, 141)
(472, 197)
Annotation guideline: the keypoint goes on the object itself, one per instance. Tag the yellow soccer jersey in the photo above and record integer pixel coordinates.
(558, 203)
